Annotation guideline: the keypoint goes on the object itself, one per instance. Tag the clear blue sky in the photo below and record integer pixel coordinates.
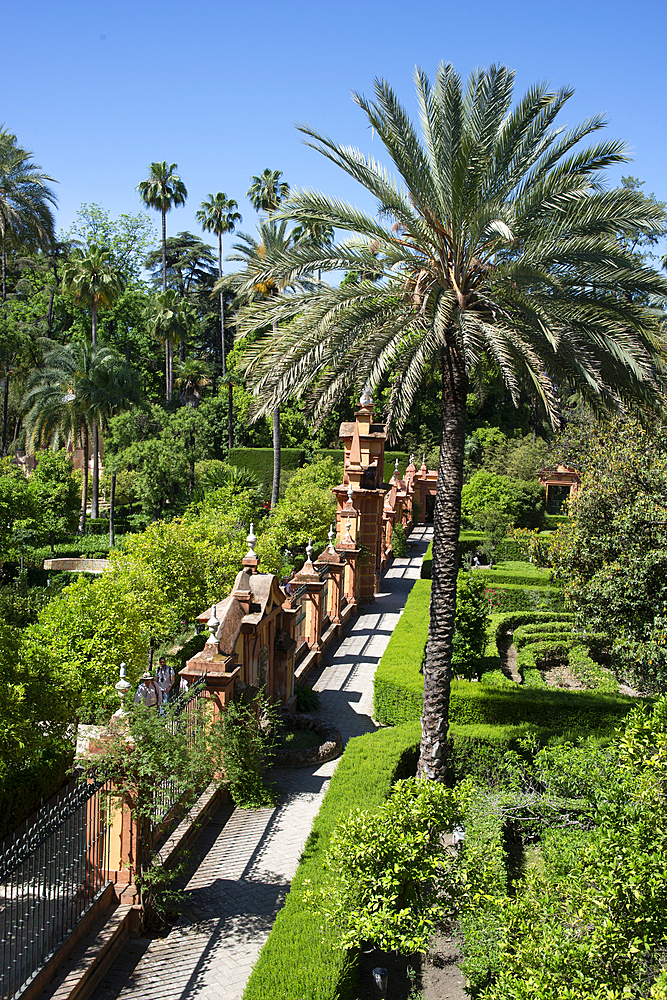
(98, 90)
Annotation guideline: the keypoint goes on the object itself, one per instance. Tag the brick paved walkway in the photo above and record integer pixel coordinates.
(248, 857)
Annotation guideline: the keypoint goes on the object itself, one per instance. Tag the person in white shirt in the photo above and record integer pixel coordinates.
(146, 691)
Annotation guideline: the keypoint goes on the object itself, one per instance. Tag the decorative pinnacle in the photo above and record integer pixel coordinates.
(424, 460)
(309, 551)
(252, 542)
(331, 535)
(412, 459)
(122, 687)
(350, 492)
(213, 626)
(366, 398)
(348, 536)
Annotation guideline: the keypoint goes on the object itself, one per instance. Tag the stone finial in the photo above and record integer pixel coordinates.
(348, 536)
(366, 398)
(412, 459)
(122, 686)
(309, 552)
(252, 542)
(350, 493)
(213, 626)
(331, 535)
(396, 476)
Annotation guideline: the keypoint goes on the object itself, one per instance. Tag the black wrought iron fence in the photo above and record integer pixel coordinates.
(298, 602)
(326, 614)
(50, 874)
(187, 713)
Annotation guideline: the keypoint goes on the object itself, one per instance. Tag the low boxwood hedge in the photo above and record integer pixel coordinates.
(301, 959)
(399, 685)
(479, 750)
(505, 597)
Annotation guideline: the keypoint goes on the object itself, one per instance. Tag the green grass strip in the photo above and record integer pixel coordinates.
(301, 960)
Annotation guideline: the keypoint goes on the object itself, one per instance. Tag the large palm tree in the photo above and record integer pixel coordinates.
(62, 401)
(163, 190)
(267, 191)
(495, 239)
(26, 201)
(92, 283)
(252, 283)
(218, 215)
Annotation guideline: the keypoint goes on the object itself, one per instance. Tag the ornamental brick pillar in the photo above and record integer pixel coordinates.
(336, 564)
(309, 576)
(350, 553)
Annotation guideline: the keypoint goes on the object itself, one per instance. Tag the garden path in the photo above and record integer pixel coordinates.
(247, 857)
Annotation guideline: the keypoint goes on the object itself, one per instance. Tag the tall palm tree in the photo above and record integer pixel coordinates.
(168, 322)
(26, 201)
(267, 191)
(62, 404)
(251, 283)
(163, 190)
(91, 282)
(218, 215)
(497, 240)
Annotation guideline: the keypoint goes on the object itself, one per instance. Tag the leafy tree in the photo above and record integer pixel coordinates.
(56, 493)
(612, 553)
(126, 239)
(218, 215)
(498, 241)
(306, 511)
(267, 191)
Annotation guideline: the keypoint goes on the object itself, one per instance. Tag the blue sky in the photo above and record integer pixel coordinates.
(98, 90)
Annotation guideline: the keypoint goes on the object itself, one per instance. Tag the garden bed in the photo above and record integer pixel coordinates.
(325, 742)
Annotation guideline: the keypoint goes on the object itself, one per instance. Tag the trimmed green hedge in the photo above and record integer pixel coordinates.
(552, 521)
(479, 750)
(398, 682)
(260, 462)
(517, 572)
(504, 597)
(301, 960)
(562, 711)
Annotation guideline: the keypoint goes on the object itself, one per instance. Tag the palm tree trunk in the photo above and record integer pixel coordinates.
(164, 250)
(4, 272)
(446, 527)
(166, 370)
(276, 457)
(95, 504)
(230, 416)
(93, 324)
(84, 487)
(112, 510)
(5, 407)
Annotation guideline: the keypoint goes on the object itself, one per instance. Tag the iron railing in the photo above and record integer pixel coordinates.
(299, 622)
(326, 614)
(50, 874)
(186, 714)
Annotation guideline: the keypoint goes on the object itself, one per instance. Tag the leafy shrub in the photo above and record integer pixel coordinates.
(390, 876)
(307, 700)
(302, 958)
(246, 751)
